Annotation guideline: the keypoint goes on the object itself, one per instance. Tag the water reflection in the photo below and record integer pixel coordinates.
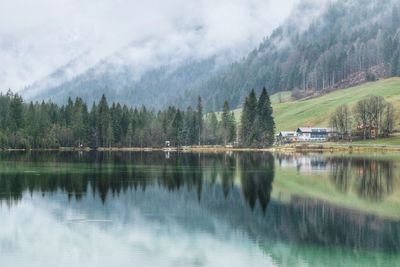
(118, 172)
(303, 163)
(222, 196)
(373, 178)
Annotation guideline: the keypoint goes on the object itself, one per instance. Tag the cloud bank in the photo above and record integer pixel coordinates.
(39, 36)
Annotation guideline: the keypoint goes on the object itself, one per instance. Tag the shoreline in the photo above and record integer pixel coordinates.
(306, 147)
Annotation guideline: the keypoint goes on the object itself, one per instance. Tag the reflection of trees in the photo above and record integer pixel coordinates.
(257, 177)
(109, 174)
(374, 178)
(210, 178)
(227, 174)
(340, 173)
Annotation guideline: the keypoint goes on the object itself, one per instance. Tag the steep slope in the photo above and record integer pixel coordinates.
(320, 47)
(350, 42)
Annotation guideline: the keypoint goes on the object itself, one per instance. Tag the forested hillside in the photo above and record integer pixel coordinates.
(154, 89)
(350, 42)
(319, 48)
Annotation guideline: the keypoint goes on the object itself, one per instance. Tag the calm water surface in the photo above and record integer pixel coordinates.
(169, 209)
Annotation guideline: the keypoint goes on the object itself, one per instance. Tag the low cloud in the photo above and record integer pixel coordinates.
(39, 36)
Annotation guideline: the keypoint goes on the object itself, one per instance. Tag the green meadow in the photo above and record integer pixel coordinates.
(291, 114)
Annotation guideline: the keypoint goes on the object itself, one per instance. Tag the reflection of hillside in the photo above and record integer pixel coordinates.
(208, 181)
(313, 222)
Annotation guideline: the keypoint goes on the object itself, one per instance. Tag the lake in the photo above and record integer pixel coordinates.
(183, 209)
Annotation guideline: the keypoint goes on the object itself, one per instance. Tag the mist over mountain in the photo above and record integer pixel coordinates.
(338, 49)
(321, 46)
(44, 45)
(155, 88)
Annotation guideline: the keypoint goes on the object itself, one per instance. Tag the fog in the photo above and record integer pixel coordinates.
(37, 37)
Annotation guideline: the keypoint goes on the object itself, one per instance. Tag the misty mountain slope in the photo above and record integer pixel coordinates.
(156, 88)
(350, 42)
(320, 47)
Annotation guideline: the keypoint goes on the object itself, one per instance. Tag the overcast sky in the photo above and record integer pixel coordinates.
(39, 36)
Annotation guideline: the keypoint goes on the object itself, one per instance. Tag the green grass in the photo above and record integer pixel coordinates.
(391, 141)
(290, 115)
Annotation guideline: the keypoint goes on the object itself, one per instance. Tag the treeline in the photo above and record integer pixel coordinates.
(349, 43)
(47, 125)
(371, 117)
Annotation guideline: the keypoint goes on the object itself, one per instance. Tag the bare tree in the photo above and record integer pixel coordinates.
(375, 112)
(388, 120)
(341, 121)
(376, 107)
(362, 115)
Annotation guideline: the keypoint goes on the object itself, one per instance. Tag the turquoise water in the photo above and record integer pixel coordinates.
(157, 209)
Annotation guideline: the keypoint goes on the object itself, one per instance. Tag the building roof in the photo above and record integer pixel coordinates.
(287, 133)
(316, 130)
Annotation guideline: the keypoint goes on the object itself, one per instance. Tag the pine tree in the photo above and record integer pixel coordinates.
(15, 115)
(109, 136)
(214, 127)
(69, 112)
(129, 135)
(248, 126)
(177, 125)
(265, 121)
(232, 127)
(199, 119)
(103, 120)
(225, 123)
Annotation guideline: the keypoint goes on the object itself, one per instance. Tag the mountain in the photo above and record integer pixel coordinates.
(348, 43)
(155, 88)
(319, 48)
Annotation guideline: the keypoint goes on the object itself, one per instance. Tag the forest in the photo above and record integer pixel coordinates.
(48, 125)
(337, 49)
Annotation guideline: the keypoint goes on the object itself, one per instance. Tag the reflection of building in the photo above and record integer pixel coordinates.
(303, 163)
(315, 134)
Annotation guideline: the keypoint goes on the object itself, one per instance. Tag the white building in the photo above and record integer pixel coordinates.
(315, 134)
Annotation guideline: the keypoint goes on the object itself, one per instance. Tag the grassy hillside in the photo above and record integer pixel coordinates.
(316, 111)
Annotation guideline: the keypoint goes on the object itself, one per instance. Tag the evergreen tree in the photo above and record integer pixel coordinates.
(177, 125)
(232, 127)
(214, 128)
(129, 135)
(228, 124)
(15, 115)
(265, 121)
(103, 121)
(109, 135)
(248, 134)
(199, 119)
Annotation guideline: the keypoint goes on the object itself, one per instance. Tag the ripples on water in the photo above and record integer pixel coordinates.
(156, 209)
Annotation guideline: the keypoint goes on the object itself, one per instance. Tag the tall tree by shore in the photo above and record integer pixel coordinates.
(257, 122)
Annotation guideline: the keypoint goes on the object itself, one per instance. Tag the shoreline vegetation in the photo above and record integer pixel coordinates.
(299, 147)
(48, 125)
